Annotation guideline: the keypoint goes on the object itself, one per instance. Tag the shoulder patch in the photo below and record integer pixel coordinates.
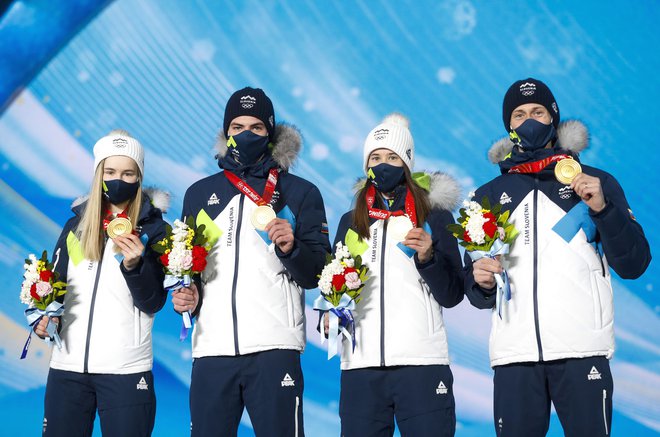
(73, 248)
(212, 232)
(356, 245)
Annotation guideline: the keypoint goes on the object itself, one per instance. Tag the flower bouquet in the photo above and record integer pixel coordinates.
(341, 283)
(485, 231)
(183, 254)
(39, 290)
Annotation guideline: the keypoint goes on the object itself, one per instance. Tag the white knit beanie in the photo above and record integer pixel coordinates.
(392, 133)
(119, 142)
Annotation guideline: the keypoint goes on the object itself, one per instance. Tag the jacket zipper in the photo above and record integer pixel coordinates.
(296, 416)
(382, 295)
(602, 264)
(91, 314)
(607, 431)
(237, 234)
(536, 260)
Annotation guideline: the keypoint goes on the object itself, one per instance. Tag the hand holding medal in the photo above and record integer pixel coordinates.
(590, 191)
(263, 217)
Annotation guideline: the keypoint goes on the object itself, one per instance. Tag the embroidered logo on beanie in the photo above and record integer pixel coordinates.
(527, 89)
(381, 134)
(248, 102)
(119, 143)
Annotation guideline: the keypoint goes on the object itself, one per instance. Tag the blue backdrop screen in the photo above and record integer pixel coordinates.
(163, 70)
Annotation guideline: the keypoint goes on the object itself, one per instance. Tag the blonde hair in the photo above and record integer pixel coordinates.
(90, 229)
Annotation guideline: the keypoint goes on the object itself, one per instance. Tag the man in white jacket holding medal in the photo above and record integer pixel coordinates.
(268, 236)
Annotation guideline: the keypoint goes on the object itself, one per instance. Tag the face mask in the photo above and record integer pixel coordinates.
(385, 177)
(118, 191)
(533, 135)
(247, 147)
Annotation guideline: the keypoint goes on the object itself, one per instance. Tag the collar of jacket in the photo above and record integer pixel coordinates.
(572, 137)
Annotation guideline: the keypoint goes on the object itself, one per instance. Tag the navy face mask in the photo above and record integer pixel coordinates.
(247, 147)
(118, 191)
(533, 135)
(386, 177)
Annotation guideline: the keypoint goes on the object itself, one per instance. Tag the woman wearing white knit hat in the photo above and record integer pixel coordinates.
(399, 366)
(114, 287)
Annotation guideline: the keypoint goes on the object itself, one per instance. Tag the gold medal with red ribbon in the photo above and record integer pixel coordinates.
(264, 212)
(119, 225)
(399, 222)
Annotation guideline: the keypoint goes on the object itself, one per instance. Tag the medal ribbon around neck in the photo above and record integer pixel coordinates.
(244, 188)
(382, 214)
(537, 166)
(107, 220)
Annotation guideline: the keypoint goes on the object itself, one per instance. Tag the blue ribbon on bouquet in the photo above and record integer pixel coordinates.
(173, 283)
(33, 315)
(502, 280)
(341, 321)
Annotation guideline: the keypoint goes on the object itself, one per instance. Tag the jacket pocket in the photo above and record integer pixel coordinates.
(601, 290)
(137, 331)
(292, 295)
(429, 307)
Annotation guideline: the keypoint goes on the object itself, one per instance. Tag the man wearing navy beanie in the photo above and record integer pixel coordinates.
(552, 340)
(268, 240)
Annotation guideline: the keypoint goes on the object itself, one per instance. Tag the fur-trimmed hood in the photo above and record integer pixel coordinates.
(444, 191)
(286, 146)
(158, 198)
(573, 136)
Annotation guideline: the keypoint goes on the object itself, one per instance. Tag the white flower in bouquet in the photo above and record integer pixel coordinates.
(342, 251)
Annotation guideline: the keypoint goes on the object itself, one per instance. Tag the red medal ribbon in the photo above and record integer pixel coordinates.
(244, 188)
(382, 214)
(537, 166)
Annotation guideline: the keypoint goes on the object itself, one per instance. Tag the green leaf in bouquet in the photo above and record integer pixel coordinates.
(200, 238)
(27, 261)
(328, 258)
(485, 203)
(456, 229)
(168, 230)
(159, 247)
(190, 222)
(503, 218)
(44, 257)
(496, 209)
(358, 262)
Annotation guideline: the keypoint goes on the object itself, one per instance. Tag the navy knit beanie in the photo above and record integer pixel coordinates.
(529, 90)
(253, 102)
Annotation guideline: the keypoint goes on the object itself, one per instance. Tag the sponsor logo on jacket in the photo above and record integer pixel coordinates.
(593, 374)
(142, 385)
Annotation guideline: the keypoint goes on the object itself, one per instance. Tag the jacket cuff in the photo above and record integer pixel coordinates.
(136, 271)
(610, 218)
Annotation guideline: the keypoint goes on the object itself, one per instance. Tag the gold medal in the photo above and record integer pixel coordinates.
(261, 216)
(398, 227)
(119, 226)
(566, 170)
